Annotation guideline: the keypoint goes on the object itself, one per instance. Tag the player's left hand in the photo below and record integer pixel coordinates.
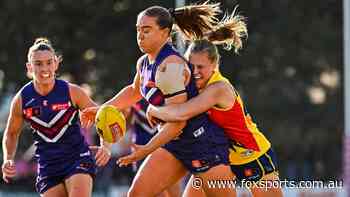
(139, 152)
(102, 156)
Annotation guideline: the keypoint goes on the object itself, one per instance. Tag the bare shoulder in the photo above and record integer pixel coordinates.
(220, 87)
(16, 103)
(75, 91)
(175, 67)
(80, 96)
(17, 99)
(73, 87)
(174, 59)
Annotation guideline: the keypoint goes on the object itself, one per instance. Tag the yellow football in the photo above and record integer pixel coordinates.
(110, 123)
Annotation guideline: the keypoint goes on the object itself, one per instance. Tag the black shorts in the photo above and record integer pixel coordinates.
(84, 165)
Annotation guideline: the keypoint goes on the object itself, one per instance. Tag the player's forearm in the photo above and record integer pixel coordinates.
(9, 146)
(125, 98)
(167, 133)
(169, 113)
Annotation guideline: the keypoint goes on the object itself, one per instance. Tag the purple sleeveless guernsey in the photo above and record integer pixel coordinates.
(61, 149)
(202, 144)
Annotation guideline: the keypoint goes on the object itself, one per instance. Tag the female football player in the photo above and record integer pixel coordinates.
(142, 133)
(66, 166)
(251, 158)
(163, 77)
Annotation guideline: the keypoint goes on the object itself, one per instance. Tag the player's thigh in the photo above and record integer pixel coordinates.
(173, 191)
(271, 186)
(218, 173)
(56, 191)
(79, 185)
(158, 172)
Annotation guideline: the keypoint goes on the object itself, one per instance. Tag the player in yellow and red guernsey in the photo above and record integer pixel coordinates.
(251, 156)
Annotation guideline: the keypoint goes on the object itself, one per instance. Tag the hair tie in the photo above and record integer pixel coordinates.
(172, 12)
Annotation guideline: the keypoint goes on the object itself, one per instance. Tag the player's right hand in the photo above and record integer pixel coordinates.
(102, 154)
(138, 152)
(87, 116)
(8, 170)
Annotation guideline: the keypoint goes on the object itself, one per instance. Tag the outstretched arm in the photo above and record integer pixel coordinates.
(83, 101)
(169, 130)
(166, 133)
(10, 138)
(174, 87)
(80, 97)
(218, 94)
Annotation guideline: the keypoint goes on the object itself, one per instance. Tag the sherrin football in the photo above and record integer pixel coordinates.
(110, 123)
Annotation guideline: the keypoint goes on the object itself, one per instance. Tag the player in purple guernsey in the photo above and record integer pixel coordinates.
(163, 77)
(66, 166)
(142, 133)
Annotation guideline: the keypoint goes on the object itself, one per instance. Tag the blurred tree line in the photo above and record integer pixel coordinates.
(289, 72)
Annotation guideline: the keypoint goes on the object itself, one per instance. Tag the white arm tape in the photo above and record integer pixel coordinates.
(171, 79)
